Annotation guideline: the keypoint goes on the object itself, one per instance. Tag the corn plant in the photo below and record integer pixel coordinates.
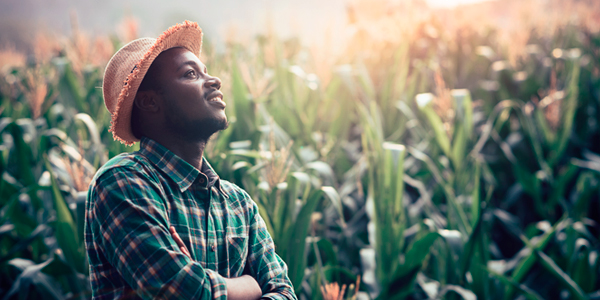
(36, 208)
(454, 163)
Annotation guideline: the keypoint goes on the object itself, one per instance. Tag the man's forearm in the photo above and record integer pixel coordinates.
(243, 288)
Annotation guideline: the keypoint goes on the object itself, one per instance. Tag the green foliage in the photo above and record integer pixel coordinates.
(373, 168)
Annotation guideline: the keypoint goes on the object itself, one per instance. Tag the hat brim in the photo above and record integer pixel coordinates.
(187, 35)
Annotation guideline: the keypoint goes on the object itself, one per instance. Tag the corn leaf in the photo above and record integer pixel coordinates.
(297, 242)
(563, 277)
(65, 228)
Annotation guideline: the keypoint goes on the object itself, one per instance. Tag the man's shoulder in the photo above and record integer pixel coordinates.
(236, 194)
(230, 188)
(124, 163)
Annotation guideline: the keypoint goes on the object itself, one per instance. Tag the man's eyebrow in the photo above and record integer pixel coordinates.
(189, 63)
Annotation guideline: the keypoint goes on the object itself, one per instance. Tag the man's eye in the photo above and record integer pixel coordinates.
(190, 73)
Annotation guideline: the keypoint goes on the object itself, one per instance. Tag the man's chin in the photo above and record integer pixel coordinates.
(224, 124)
(220, 125)
(205, 129)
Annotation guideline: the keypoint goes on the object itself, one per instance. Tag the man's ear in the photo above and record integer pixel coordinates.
(147, 101)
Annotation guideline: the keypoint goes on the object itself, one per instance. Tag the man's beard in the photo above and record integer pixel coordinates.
(196, 130)
(204, 129)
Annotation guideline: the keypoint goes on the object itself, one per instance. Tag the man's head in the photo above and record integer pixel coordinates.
(179, 98)
(167, 102)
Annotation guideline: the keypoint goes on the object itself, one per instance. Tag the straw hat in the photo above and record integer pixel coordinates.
(127, 68)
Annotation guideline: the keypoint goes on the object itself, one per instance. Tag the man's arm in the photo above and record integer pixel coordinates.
(244, 287)
(264, 264)
(129, 220)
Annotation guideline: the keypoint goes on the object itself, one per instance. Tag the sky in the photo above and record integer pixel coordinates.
(217, 18)
(451, 3)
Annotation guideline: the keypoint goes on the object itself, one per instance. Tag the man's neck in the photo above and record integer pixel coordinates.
(190, 151)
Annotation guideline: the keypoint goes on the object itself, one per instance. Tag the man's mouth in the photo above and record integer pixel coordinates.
(217, 98)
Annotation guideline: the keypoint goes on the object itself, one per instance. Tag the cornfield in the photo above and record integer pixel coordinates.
(436, 155)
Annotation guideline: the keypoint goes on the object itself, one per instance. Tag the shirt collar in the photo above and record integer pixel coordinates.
(181, 172)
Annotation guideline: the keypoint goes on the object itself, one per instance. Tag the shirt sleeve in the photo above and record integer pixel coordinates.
(130, 223)
(269, 270)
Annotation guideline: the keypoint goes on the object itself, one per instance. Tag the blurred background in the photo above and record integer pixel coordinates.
(397, 149)
(21, 20)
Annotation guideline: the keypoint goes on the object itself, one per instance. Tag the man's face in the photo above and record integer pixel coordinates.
(193, 106)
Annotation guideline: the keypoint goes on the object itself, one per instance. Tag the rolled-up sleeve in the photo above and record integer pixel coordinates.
(266, 266)
(130, 223)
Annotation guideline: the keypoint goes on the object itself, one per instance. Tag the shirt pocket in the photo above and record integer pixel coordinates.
(237, 252)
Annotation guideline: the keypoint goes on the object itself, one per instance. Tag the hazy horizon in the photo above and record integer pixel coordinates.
(20, 20)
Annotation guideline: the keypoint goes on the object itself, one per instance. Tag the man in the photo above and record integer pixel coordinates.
(159, 222)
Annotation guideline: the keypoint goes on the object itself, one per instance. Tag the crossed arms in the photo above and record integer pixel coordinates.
(244, 287)
(129, 239)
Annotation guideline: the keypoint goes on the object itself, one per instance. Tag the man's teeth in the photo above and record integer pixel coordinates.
(215, 99)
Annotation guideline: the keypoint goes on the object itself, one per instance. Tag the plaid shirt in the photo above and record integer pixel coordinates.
(136, 197)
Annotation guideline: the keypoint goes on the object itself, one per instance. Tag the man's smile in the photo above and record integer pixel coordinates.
(216, 97)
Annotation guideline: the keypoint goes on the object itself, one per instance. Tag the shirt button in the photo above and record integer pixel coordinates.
(201, 180)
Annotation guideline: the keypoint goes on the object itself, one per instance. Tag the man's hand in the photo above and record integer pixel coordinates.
(244, 287)
(179, 242)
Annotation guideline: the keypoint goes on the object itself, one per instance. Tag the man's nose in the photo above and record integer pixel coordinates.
(213, 82)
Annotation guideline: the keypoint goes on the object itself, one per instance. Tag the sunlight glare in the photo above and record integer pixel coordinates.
(451, 3)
